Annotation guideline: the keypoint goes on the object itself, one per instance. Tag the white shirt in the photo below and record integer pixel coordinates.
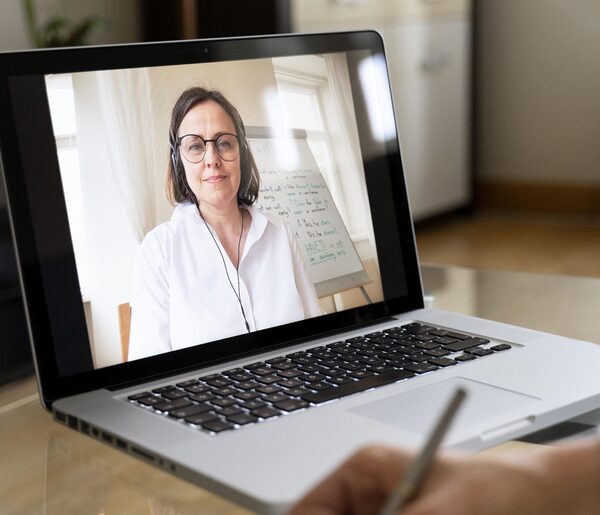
(181, 294)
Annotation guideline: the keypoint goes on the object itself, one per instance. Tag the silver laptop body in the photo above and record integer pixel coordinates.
(519, 380)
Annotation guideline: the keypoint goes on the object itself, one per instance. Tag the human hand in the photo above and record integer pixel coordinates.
(517, 484)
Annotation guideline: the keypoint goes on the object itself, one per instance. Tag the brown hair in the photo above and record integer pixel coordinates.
(178, 189)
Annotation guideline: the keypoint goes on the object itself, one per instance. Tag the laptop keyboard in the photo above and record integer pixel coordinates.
(266, 389)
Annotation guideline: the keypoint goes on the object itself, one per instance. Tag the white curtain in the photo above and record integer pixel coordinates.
(346, 144)
(127, 121)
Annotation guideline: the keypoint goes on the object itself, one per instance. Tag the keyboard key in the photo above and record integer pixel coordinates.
(352, 366)
(150, 400)
(417, 357)
(442, 362)
(197, 388)
(334, 372)
(415, 328)
(226, 390)
(421, 368)
(218, 382)
(340, 380)
(437, 353)
(501, 346)
(263, 371)
(311, 378)
(458, 336)
(290, 383)
(424, 337)
(337, 392)
(229, 411)
(246, 396)
(268, 389)
(242, 419)
(399, 363)
(297, 392)
(272, 361)
(188, 411)
(247, 385)
(371, 360)
(138, 396)
(291, 405)
(190, 382)
(217, 426)
(164, 389)
(465, 357)
(295, 355)
(233, 371)
(381, 368)
(289, 374)
(266, 412)
(357, 339)
(201, 397)
(318, 386)
(359, 374)
(304, 360)
(275, 397)
(201, 418)
(241, 376)
(253, 404)
(174, 394)
(465, 344)
(310, 369)
(269, 379)
(223, 402)
(428, 345)
(171, 405)
(254, 366)
(284, 365)
(480, 352)
(444, 340)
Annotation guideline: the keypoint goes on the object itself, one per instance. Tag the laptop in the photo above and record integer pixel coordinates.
(318, 341)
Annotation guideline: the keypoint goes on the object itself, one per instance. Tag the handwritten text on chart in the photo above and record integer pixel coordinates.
(294, 190)
(308, 209)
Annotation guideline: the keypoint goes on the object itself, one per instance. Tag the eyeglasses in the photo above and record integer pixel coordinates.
(193, 147)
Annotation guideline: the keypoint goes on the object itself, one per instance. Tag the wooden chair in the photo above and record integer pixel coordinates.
(124, 313)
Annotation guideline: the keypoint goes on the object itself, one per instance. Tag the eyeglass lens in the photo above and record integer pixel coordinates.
(193, 147)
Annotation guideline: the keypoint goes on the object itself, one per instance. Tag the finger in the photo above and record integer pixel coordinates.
(359, 486)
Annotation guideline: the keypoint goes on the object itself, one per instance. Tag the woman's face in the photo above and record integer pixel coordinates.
(214, 181)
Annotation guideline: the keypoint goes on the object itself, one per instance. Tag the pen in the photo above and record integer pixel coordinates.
(411, 480)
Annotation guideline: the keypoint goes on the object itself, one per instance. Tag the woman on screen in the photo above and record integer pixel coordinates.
(219, 267)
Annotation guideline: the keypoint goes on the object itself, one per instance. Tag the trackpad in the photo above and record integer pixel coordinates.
(417, 410)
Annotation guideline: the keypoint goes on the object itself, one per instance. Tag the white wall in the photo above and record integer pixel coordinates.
(123, 16)
(538, 103)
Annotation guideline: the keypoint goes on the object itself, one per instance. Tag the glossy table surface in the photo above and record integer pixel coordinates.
(48, 469)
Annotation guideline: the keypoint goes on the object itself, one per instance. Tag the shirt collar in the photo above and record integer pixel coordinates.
(257, 228)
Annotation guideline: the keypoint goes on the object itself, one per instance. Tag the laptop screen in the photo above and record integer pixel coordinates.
(181, 203)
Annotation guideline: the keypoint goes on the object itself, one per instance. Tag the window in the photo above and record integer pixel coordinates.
(301, 98)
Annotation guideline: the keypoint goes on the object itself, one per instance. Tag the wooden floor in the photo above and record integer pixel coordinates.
(532, 243)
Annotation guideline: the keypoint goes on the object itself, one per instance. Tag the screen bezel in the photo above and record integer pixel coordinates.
(33, 266)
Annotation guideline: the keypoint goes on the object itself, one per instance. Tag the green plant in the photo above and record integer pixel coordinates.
(58, 30)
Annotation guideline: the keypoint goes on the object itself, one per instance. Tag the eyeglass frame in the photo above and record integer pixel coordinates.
(214, 140)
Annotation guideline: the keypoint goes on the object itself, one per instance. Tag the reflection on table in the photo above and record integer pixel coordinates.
(49, 469)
